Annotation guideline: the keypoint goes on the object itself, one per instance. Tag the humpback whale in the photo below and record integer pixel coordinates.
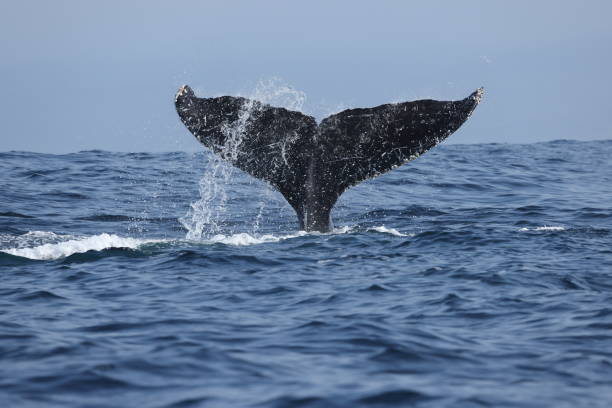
(311, 163)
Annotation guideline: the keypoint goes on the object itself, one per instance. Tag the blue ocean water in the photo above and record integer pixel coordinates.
(475, 276)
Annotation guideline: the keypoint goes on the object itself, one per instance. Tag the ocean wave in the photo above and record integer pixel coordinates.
(46, 245)
(66, 248)
(418, 286)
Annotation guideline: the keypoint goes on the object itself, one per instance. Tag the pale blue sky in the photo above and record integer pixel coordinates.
(79, 75)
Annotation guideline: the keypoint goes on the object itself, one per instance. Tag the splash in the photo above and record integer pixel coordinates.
(207, 216)
(277, 92)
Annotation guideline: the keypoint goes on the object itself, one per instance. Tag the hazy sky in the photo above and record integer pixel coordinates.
(79, 75)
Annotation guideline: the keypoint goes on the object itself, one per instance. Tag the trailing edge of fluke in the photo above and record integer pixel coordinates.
(313, 164)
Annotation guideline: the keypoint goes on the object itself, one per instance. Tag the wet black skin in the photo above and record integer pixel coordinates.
(313, 164)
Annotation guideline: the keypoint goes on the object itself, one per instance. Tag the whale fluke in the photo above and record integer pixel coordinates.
(313, 164)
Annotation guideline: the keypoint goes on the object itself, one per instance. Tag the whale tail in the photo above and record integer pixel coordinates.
(313, 164)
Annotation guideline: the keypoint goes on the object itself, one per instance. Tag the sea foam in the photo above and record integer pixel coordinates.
(386, 230)
(72, 246)
(544, 228)
(44, 245)
(242, 239)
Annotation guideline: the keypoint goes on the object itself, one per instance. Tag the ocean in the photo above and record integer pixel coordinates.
(475, 276)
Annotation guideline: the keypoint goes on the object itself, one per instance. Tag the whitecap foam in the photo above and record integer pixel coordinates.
(243, 239)
(31, 239)
(40, 234)
(550, 228)
(72, 246)
(44, 245)
(386, 230)
(544, 228)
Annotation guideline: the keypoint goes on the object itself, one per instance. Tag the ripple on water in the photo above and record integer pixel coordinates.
(484, 281)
